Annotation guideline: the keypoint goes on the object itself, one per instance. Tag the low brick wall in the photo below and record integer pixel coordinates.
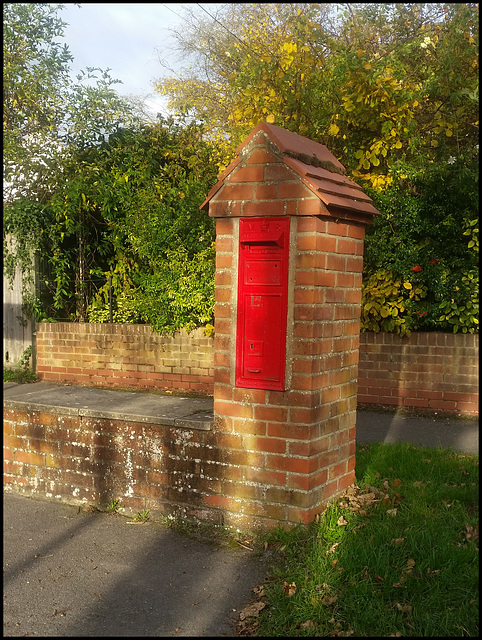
(129, 356)
(434, 372)
(207, 473)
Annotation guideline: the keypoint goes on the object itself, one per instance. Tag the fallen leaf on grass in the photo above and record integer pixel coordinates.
(308, 624)
(361, 525)
(398, 541)
(252, 610)
(418, 483)
(433, 572)
(366, 497)
(406, 608)
(289, 588)
(397, 482)
(338, 632)
(341, 522)
(329, 599)
(386, 500)
(332, 548)
(392, 512)
(470, 533)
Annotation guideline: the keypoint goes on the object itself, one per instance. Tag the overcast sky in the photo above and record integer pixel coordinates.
(125, 38)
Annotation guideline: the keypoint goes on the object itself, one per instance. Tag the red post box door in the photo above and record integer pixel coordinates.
(262, 302)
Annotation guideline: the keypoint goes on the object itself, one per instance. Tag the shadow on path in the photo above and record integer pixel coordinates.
(100, 576)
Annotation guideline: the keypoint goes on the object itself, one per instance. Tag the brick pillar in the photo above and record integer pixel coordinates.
(287, 453)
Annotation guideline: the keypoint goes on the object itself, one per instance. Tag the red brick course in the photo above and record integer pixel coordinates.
(125, 356)
(436, 372)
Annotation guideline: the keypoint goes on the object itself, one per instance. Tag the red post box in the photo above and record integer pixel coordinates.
(262, 302)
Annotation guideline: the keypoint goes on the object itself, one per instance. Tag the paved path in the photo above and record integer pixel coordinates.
(68, 572)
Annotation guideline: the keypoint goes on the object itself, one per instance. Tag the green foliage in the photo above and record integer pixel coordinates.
(21, 373)
(386, 303)
(23, 225)
(421, 237)
(473, 232)
(141, 516)
(462, 312)
(114, 506)
(125, 226)
(179, 293)
(35, 67)
(45, 112)
(392, 90)
(48, 120)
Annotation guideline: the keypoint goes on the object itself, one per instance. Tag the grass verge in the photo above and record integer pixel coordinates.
(395, 556)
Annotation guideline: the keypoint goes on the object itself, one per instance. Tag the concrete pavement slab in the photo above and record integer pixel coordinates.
(68, 572)
(459, 434)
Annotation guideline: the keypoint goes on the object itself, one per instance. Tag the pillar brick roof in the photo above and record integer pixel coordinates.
(316, 166)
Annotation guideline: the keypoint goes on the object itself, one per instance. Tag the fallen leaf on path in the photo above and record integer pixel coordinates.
(252, 610)
(259, 590)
